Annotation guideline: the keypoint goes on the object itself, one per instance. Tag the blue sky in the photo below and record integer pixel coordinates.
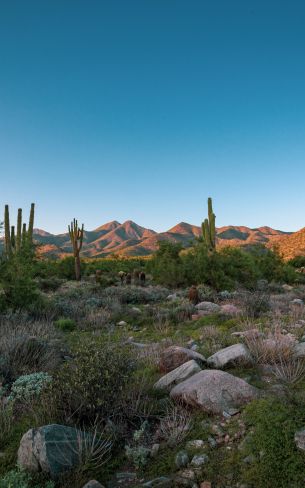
(141, 109)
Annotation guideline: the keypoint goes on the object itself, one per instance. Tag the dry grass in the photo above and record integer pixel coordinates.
(174, 424)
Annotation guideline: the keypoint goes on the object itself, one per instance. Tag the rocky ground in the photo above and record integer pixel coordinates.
(207, 396)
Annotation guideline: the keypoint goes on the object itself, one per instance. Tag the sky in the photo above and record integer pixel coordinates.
(142, 109)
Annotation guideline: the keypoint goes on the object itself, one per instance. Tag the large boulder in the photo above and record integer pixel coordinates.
(236, 354)
(52, 449)
(178, 375)
(208, 307)
(214, 391)
(174, 356)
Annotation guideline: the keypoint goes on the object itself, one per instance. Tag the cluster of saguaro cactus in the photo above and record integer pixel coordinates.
(15, 242)
(76, 235)
(209, 229)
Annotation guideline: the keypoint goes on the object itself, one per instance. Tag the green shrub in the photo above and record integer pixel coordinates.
(93, 382)
(19, 289)
(21, 479)
(65, 325)
(29, 386)
(278, 463)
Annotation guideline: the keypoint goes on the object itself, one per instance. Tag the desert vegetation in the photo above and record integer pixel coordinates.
(183, 369)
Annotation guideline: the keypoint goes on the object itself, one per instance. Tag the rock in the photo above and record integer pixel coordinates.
(174, 356)
(208, 307)
(196, 444)
(52, 449)
(178, 375)
(154, 450)
(125, 477)
(249, 334)
(297, 301)
(299, 350)
(162, 481)
(173, 296)
(136, 310)
(182, 459)
(214, 391)
(212, 442)
(206, 484)
(199, 460)
(287, 287)
(299, 438)
(230, 309)
(238, 353)
(122, 323)
(93, 484)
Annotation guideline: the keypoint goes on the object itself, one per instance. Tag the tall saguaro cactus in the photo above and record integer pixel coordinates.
(209, 229)
(76, 235)
(31, 222)
(7, 231)
(15, 243)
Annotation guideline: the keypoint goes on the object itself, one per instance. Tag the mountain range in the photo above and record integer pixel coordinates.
(131, 239)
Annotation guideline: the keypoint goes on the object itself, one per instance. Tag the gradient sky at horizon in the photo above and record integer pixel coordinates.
(141, 109)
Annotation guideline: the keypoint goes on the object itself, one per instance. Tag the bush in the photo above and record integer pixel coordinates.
(65, 325)
(278, 463)
(27, 387)
(92, 384)
(21, 479)
(166, 265)
(19, 289)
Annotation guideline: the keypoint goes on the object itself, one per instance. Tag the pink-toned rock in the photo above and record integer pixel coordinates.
(174, 356)
(230, 309)
(206, 484)
(214, 391)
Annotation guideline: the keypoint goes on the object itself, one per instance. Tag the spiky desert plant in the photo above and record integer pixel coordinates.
(19, 230)
(76, 235)
(209, 229)
(7, 231)
(31, 222)
(14, 243)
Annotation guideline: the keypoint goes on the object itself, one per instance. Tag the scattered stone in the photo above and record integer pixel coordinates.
(174, 356)
(162, 481)
(196, 444)
(173, 296)
(126, 476)
(230, 309)
(299, 350)
(249, 459)
(214, 391)
(178, 375)
(238, 353)
(136, 310)
(154, 450)
(299, 439)
(212, 442)
(199, 460)
(297, 301)
(182, 459)
(250, 333)
(93, 484)
(122, 323)
(208, 307)
(230, 412)
(287, 287)
(206, 484)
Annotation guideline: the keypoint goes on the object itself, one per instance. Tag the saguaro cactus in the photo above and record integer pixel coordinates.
(19, 230)
(7, 231)
(76, 235)
(31, 222)
(15, 243)
(209, 229)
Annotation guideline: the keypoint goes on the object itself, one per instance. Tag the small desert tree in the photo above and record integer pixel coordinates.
(76, 235)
